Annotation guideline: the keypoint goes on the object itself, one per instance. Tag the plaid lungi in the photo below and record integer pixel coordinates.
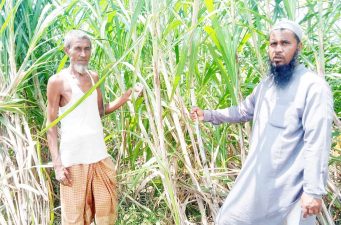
(92, 195)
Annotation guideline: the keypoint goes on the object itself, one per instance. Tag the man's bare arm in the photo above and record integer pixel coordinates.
(53, 97)
(117, 103)
(112, 106)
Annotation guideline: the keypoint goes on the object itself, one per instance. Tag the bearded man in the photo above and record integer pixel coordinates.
(81, 162)
(284, 176)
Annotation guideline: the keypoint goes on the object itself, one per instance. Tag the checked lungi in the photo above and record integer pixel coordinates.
(92, 195)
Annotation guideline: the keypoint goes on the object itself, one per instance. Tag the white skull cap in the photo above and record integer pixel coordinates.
(290, 25)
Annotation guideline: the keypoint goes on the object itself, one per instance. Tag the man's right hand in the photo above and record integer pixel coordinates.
(197, 113)
(310, 205)
(63, 175)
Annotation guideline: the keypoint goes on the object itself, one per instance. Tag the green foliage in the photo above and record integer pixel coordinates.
(216, 50)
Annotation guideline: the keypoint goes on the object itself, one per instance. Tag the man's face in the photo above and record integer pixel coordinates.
(283, 46)
(79, 52)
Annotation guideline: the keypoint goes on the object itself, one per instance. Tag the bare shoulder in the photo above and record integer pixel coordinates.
(56, 81)
(94, 75)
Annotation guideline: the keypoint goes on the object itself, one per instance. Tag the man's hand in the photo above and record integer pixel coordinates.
(310, 205)
(63, 175)
(137, 91)
(197, 113)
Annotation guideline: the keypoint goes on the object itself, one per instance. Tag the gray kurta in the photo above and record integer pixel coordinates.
(289, 148)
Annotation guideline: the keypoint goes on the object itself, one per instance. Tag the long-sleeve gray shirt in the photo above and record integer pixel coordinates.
(289, 148)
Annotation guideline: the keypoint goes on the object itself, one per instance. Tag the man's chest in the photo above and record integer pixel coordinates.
(73, 88)
(281, 108)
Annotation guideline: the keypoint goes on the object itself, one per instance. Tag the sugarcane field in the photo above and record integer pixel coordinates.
(170, 112)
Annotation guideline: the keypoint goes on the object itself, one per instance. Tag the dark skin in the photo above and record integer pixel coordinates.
(59, 93)
(282, 48)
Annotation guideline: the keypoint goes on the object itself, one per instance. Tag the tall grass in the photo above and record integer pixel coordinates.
(206, 53)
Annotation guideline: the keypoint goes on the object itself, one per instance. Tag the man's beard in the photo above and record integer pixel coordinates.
(80, 68)
(282, 74)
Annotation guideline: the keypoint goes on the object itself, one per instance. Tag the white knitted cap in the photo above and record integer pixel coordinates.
(290, 25)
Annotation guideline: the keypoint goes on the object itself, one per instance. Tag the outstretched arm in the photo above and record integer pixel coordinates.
(241, 113)
(112, 106)
(117, 103)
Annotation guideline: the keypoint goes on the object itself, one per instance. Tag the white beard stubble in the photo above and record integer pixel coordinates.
(82, 69)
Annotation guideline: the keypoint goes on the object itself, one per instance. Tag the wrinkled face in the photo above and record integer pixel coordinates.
(79, 52)
(283, 46)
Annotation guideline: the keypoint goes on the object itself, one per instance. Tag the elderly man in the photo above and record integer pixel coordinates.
(81, 162)
(284, 176)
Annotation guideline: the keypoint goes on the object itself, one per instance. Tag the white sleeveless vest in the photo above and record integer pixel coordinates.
(82, 139)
